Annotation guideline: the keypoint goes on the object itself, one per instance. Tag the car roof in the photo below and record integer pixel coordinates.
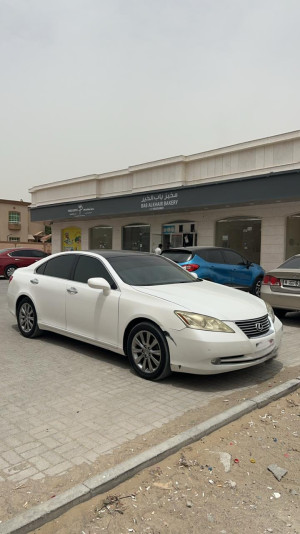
(13, 249)
(115, 253)
(23, 248)
(193, 249)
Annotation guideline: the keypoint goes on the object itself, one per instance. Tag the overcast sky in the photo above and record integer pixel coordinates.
(90, 86)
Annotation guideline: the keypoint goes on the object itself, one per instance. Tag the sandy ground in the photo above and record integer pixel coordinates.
(220, 484)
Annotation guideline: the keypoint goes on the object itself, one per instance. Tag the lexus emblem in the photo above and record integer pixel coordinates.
(259, 327)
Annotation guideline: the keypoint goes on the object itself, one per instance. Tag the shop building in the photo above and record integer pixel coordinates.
(245, 196)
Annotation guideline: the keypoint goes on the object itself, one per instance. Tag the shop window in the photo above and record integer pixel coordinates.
(179, 234)
(71, 238)
(136, 237)
(242, 234)
(14, 217)
(292, 235)
(100, 237)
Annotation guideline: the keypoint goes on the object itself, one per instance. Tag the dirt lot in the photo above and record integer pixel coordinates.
(220, 484)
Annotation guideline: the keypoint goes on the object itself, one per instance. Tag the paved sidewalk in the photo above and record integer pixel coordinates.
(64, 404)
(45, 512)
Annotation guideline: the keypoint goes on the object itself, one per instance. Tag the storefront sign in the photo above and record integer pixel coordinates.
(169, 228)
(160, 201)
(80, 211)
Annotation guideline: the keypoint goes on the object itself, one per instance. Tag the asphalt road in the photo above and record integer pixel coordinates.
(65, 403)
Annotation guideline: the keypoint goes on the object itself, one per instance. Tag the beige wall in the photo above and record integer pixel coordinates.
(272, 154)
(25, 228)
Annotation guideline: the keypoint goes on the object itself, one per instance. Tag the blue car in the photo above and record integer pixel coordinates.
(220, 265)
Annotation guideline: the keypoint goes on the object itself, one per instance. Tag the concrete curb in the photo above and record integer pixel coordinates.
(49, 510)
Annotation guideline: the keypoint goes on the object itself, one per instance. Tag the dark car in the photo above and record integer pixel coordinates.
(221, 265)
(13, 258)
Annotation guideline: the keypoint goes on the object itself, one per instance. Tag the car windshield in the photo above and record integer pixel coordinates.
(5, 250)
(291, 263)
(179, 256)
(149, 271)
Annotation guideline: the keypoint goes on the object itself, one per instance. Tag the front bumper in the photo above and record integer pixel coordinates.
(201, 352)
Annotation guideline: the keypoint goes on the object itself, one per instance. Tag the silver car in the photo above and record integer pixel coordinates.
(281, 287)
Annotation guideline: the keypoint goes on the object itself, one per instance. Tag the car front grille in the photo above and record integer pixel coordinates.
(255, 327)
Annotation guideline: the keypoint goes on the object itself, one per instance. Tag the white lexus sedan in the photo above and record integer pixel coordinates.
(147, 308)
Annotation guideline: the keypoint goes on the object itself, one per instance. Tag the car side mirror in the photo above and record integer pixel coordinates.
(100, 283)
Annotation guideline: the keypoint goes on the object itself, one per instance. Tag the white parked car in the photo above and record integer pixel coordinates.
(146, 307)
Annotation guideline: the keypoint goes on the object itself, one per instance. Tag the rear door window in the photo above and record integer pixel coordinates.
(41, 269)
(59, 267)
(20, 254)
(213, 256)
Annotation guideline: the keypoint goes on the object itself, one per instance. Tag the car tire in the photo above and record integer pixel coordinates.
(256, 287)
(27, 318)
(148, 351)
(9, 271)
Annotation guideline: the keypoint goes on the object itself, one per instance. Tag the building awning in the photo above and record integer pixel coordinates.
(263, 189)
(30, 237)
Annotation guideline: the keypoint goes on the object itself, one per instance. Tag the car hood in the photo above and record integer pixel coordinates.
(209, 299)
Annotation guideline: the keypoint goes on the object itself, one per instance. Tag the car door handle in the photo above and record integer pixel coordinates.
(72, 290)
(34, 281)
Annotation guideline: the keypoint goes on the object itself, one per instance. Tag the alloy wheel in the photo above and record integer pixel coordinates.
(258, 288)
(9, 271)
(146, 351)
(26, 317)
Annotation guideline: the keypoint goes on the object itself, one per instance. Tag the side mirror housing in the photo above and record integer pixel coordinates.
(99, 283)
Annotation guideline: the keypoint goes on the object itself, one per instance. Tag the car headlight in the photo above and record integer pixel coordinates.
(202, 322)
(270, 311)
